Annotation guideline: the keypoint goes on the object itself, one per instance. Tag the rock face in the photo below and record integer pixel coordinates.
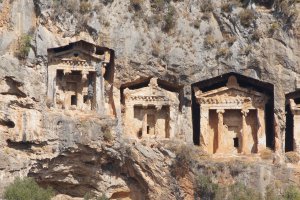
(178, 43)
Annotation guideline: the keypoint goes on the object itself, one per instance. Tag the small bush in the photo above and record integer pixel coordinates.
(275, 26)
(206, 189)
(85, 7)
(209, 41)
(286, 10)
(239, 191)
(226, 7)
(169, 19)
(230, 39)
(292, 193)
(196, 24)
(27, 189)
(158, 5)
(107, 136)
(91, 196)
(256, 35)
(292, 157)
(136, 4)
(206, 6)
(24, 46)
(224, 52)
(184, 157)
(247, 50)
(206, 16)
(247, 17)
(271, 194)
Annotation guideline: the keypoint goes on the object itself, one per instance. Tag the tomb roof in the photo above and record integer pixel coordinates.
(88, 48)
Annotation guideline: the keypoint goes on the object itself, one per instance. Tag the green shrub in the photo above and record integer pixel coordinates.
(271, 193)
(206, 189)
(247, 17)
(91, 196)
(169, 19)
(23, 46)
(27, 189)
(275, 26)
(292, 193)
(184, 157)
(107, 136)
(239, 191)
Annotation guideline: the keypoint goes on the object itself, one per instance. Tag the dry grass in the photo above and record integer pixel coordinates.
(107, 136)
(85, 7)
(206, 6)
(275, 26)
(169, 19)
(185, 156)
(266, 154)
(230, 39)
(224, 52)
(292, 157)
(247, 17)
(256, 35)
(209, 41)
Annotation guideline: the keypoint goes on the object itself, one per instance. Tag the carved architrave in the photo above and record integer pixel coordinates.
(232, 97)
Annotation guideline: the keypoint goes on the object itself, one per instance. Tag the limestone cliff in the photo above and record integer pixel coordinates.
(178, 41)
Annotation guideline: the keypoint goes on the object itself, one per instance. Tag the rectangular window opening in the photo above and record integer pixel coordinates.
(85, 98)
(236, 142)
(74, 100)
(59, 74)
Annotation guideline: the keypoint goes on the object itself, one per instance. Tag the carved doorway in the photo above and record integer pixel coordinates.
(151, 124)
(232, 131)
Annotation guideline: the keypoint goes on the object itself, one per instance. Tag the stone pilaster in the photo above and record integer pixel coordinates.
(204, 131)
(261, 131)
(220, 130)
(244, 135)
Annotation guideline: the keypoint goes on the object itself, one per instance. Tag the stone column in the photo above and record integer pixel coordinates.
(296, 130)
(144, 128)
(204, 131)
(129, 115)
(261, 131)
(220, 130)
(244, 135)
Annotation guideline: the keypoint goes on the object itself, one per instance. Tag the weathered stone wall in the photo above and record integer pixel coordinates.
(196, 48)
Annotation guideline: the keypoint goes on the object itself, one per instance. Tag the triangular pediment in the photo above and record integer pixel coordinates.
(230, 92)
(74, 55)
(151, 92)
(148, 91)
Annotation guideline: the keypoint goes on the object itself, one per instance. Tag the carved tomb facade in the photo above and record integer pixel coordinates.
(76, 76)
(232, 119)
(151, 112)
(294, 134)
